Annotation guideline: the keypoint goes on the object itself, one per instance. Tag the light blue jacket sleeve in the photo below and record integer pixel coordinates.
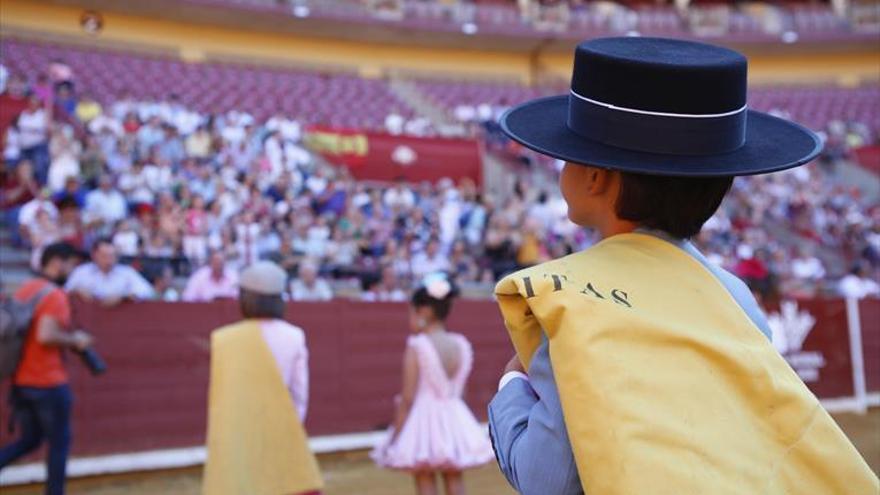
(529, 436)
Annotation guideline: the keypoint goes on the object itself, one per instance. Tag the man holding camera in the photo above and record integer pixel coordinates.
(41, 395)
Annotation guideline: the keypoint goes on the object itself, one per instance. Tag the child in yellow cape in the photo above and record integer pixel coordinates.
(256, 442)
(649, 369)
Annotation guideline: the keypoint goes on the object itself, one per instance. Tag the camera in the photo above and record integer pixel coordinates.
(93, 361)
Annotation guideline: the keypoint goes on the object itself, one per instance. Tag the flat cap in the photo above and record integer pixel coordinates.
(264, 277)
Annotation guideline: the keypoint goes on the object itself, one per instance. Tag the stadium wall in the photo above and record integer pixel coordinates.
(154, 395)
(196, 42)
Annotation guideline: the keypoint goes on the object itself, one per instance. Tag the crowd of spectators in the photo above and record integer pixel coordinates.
(177, 194)
(776, 231)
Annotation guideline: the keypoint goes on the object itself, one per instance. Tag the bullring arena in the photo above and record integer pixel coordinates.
(382, 117)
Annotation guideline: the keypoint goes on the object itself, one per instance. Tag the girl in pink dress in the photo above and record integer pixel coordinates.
(434, 431)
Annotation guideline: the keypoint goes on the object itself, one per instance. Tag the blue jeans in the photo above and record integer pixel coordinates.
(40, 159)
(10, 217)
(42, 414)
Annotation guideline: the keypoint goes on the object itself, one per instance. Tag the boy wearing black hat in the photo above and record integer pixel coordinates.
(649, 369)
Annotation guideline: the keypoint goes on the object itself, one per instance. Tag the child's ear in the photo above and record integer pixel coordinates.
(598, 180)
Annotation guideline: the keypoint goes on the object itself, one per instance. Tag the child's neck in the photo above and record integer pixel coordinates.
(614, 226)
(437, 327)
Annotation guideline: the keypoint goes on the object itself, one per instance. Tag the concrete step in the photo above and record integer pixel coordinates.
(408, 92)
(11, 257)
(11, 280)
(854, 175)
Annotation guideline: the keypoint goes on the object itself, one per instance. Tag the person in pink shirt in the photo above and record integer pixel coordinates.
(212, 281)
(262, 286)
(247, 439)
(195, 240)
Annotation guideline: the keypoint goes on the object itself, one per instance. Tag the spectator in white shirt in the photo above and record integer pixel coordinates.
(484, 112)
(4, 76)
(394, 123)
(274, 152)
(107, 281)
(105, 205)
(309, 287)
(449, 216)
(27, 215)
(465, 113)
(126, 239)
(399, 196)
(386, 289)
(135, 183)
(247, 232)
(12, 147)
(295, 158)
(198, 144)
(65, 152)
(123, 107)
(290, 129)
(542, 211)
(33, 135)
(807, 267)
(105, 124)
(430, 261)
(149, 135)
(44, 232)
(317, 182)
(419, 126)
(858, 285)
(212, 281)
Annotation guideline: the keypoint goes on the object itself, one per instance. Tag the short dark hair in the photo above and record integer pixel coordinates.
(440, 307)
(67, 202)
(100, 242)
(256, 305)
(678, 206)
(62, 250)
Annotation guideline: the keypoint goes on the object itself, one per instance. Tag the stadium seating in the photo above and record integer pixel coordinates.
(331, 98)
(813, 106)
(810, 21)
(345, 100)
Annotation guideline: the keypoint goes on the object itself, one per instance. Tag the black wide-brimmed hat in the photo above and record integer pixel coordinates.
(661, 107)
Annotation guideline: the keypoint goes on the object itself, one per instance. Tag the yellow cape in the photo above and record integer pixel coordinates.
(666, 385)
(256, 444)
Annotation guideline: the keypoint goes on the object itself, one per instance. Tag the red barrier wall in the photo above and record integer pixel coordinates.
(869, 157)
(869, 310)
(829, 338)
(154, 395)
(385, 157)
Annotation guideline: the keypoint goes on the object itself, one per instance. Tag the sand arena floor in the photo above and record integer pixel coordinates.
(354, 473)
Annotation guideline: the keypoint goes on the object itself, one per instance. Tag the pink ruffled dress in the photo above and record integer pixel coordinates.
(440, 433)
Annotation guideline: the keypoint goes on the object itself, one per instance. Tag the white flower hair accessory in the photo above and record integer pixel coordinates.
(437, 286)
